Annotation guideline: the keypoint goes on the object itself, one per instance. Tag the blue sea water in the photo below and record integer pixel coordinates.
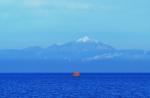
(65, 86)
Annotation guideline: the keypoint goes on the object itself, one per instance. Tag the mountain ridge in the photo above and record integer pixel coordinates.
(83, 48)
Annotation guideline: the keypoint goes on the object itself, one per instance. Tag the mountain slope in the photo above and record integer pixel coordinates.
(83, 49)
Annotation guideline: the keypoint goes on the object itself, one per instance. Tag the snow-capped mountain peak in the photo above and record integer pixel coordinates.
(85, 39)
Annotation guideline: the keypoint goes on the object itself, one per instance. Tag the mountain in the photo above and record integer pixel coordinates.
(81, 49)
(84, 52)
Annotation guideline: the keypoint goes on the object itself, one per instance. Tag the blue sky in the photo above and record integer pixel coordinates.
(121, 23)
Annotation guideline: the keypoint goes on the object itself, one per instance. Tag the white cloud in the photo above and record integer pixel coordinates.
(56, 4)
(103, 57)
(42, 8)
(63, 5)
(71, 5)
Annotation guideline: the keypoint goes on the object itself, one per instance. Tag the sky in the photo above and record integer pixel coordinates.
(120, 23)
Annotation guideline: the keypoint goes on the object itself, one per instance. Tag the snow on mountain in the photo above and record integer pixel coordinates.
(85, 39)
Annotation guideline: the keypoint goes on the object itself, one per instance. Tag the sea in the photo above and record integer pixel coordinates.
(64, 85)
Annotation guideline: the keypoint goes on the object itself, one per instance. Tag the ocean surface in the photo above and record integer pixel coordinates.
(66, 86)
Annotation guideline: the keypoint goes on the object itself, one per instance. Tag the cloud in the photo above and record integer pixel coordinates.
(44, 8)
(103, 57)
(57, 4)
(65, 5)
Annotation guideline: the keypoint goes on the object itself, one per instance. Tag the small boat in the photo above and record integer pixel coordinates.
(76, 74)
